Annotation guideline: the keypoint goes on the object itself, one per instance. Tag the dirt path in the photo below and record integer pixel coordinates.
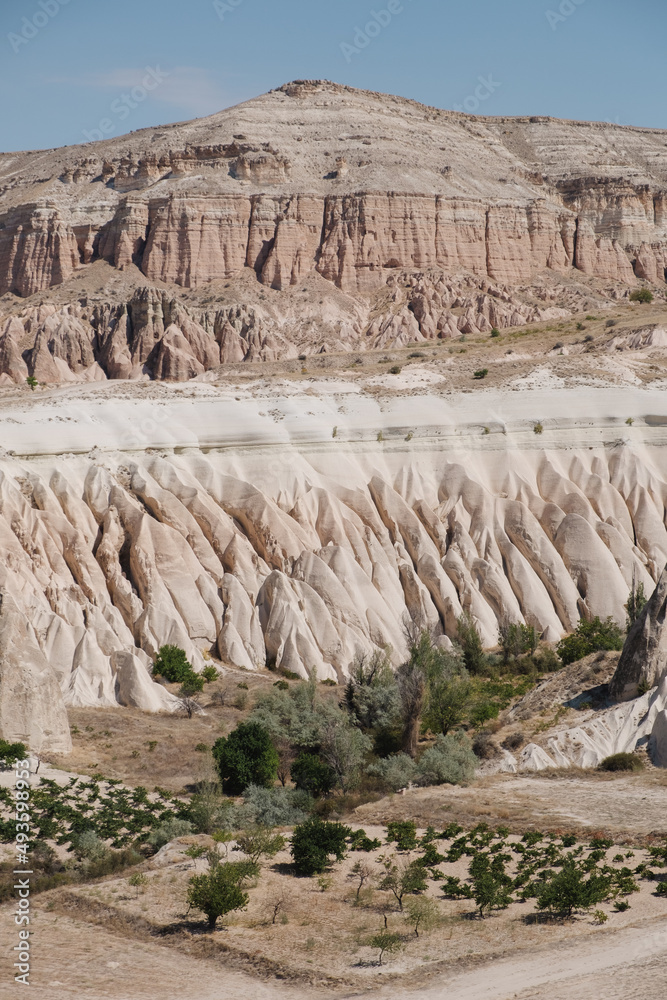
(628, 965)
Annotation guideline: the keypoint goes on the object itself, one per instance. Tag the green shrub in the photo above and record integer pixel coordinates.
(572, 889)
(495, 332)
(172, 663)
(210, 674)
(449, 761)
(642, 295)
(395, 370)
(481, 373)
(589, 637)
(11, 752)
(220, 891)
(312, 774)
(315, 841)
(538, 428)
(621, 762)
(403, 833)
(246, 757)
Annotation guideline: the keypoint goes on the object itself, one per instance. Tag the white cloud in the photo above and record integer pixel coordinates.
(193, 90)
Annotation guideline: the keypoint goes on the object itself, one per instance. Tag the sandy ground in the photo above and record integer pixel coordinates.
(630, 805)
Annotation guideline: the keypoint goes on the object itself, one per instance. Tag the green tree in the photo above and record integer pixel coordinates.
(220, 890)
(313, 774)
(422, 912)
(32, 382)
(371, 693)
(447, 693)
(644, 295)
(172, 663)
(517, 639)
(471, 643)
(345, 750)
(572, 888)
(412, 678)
(635, 604)
(315, 841)
(589, 637)
(246, 757)
(11, 752)
(386, 942)
(403, 879)
(491, 886)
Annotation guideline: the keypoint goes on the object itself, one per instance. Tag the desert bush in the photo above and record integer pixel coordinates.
(481, 373)
(210, 674)
(621, 762)
(208, 811)
(449, 761)
(397, 771)
(589, 637)
(495, 332)
(246, 757)
(395, 370)
(259, 843)
(169, 831)
(274, 806)
(344, 749)
(644, 295)
(315, 842)
(88, 845)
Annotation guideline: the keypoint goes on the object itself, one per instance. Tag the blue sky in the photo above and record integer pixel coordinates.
(64, 63)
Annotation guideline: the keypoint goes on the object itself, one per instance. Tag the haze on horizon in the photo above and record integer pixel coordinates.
(68, 66)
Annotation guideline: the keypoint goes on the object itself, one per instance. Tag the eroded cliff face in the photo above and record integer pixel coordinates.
(353, 186)
(127, 524)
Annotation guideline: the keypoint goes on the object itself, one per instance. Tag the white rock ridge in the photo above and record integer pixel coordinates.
(238, 525)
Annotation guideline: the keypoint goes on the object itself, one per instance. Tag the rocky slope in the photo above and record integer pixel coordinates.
(401, 222)
(265, 524)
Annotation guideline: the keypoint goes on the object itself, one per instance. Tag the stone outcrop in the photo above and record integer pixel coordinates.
(643, 662)
(347, 184)
(32, 710)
